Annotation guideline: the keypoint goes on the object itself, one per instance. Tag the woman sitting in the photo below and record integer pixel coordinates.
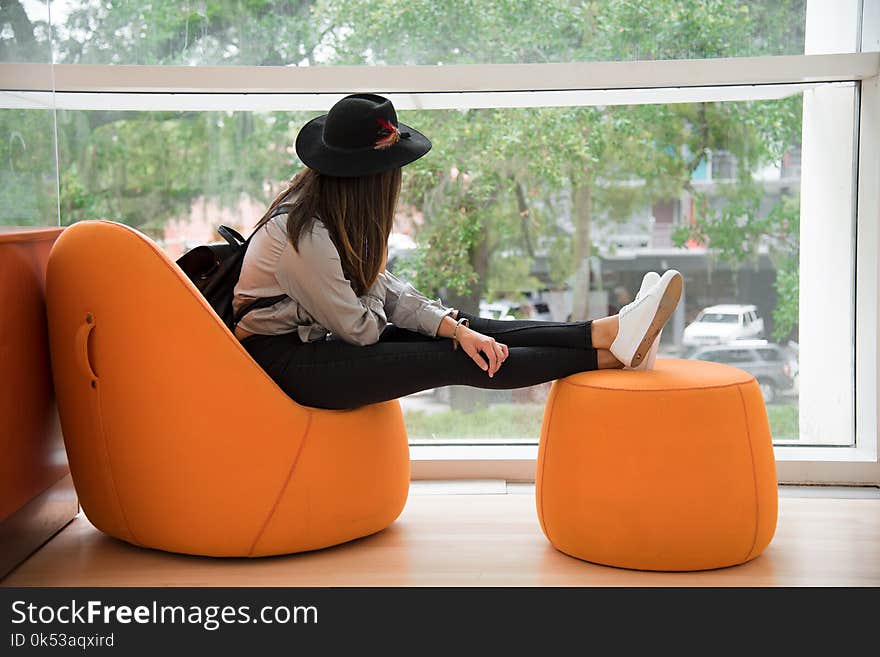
(350, 333)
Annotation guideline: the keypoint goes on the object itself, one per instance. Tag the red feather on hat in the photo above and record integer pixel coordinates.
(388, 135)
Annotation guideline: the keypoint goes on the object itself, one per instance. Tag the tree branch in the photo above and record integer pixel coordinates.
(525, 217)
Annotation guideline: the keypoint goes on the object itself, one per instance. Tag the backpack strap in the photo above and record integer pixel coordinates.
(284, 208)
(263, 302)
(231, 235)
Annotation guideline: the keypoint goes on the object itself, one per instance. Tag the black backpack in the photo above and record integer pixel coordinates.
(214, 269)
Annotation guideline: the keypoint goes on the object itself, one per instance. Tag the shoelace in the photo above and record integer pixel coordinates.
(641, 294)
(633, 305)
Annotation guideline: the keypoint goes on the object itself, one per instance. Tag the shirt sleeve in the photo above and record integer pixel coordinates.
(312, 274)
(408, 308)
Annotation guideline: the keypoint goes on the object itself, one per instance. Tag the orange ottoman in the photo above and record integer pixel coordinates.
(669, 469)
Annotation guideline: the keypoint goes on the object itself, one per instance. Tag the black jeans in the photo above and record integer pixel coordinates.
(338, 375)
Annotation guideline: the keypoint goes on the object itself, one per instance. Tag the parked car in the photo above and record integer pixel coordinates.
(723, 323)
(528, 310)
(495, 310)
(541, 311)
(504, 310)
(772, 365)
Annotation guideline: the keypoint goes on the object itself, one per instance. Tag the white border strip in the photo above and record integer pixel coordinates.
(259, 102)
(518, 463)
(867, 328)
(433, 79)
(784, 453)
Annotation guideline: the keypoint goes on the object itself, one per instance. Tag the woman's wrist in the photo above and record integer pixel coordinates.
(447, 326)
(450, 327)
(458, 331)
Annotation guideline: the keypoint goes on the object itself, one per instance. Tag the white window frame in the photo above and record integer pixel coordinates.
(80, 86)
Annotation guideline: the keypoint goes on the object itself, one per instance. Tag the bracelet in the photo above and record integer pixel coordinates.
(464, 321)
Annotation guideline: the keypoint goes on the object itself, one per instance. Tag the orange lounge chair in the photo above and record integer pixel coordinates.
(177, 439)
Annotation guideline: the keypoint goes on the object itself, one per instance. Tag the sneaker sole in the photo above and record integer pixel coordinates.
(667, 305)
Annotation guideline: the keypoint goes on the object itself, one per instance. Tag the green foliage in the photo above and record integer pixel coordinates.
(445, 259)
(524, 421)
(509, 276)
(734, 228)
(28, 192)
(534, 31)
(254, 32)
(785, 315)
(784, 421)
(497, 420)
(784, 231)
(696, 29)
(145, 168)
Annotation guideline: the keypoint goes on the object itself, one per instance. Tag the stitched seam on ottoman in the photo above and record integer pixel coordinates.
(754, 474)
(281, 492)
(710, 387)
(543, 517)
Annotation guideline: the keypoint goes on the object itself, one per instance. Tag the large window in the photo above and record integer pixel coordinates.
(549, 192)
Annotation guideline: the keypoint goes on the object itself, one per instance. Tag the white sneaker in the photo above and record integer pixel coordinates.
(642, 320)
(648, 281)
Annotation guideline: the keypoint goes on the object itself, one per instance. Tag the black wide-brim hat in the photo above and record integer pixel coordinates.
(359, 136)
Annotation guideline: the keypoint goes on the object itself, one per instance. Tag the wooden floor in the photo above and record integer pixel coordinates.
(473, 540)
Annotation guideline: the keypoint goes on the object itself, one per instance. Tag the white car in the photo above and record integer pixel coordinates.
(501, 311)
(724, 323)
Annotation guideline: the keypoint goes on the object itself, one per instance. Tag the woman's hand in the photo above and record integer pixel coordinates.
(477, 346)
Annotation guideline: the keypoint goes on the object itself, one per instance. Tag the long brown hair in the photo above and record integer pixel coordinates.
(357, 212)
